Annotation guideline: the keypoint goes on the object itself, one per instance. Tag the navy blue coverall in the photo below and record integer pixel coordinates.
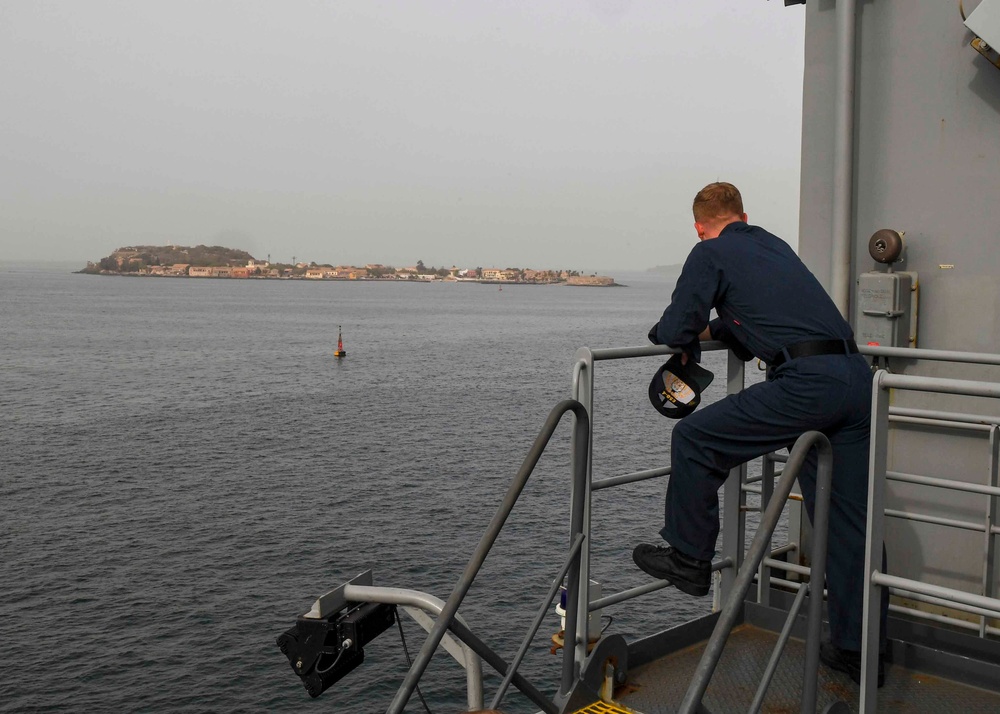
(767, 300)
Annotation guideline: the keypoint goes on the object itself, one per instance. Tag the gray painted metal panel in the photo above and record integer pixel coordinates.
(927, 150)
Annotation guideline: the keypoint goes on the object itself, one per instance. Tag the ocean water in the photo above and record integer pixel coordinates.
(184, 467)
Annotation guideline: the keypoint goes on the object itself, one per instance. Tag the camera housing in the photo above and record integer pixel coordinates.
(322, 651)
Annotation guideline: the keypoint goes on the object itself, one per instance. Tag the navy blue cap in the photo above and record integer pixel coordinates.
(676, 388)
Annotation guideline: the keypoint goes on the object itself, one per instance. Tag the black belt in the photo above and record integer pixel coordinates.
(814, 348)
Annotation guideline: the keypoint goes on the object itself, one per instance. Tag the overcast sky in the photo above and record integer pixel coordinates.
(528, 133)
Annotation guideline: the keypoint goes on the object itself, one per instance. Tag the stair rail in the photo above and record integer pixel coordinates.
(446, 620)
(759, 549)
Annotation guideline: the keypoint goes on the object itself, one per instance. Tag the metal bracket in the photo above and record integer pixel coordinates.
(335, 600)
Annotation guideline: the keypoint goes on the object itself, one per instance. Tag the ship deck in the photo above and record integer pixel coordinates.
(659, 686)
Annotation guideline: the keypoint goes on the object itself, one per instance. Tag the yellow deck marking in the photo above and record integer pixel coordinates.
(605, 708)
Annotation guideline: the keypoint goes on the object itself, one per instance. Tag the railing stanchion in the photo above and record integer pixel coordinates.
(817, 576)
(734, 498)
(766, 493)
(992, 512)
(578, 578)
(877, 466)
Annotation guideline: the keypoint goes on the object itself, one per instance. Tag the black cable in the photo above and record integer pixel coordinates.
(610, 620)
(324, 671)
(409, 663)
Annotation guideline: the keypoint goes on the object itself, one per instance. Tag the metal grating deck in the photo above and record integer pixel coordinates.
(658, 687)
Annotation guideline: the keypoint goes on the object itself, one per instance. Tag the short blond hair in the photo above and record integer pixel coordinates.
(717, 200)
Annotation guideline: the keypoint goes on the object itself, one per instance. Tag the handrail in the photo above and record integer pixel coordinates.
(914, 353)
(583, 373)
(630, 478)
(959, 599)
(897, 414)
(581, 450)
(946, 483)
(878, 470)
(734, 586)
(647, 588)
(537, 622)
(759, 549)
(733, 501)
(422, 603)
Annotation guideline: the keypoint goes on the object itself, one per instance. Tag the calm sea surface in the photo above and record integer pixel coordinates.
(184, 467)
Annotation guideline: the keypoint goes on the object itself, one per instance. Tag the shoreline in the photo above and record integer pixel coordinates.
(501, 283)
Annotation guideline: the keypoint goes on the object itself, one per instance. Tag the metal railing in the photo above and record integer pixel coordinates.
(878, 475)
(738, 576)
(420, 606)
(735, 581)
(744, 579)
(734, 499)
(576, 569)
(573, 566)
(986, 425)
(738, 485)
(974, 423)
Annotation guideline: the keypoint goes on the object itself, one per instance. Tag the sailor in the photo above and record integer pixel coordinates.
(770, 306)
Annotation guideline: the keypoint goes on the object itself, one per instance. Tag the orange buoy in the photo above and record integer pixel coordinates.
(341, 352)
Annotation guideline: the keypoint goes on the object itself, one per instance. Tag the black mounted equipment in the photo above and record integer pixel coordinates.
(323, 650)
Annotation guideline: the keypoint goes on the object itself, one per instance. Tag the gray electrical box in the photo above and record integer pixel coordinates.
(887, 310)
(985, 21)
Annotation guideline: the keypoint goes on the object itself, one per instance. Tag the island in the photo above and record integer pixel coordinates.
(174, 261)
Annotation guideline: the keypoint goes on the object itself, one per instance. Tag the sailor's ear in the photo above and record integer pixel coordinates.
(699, 228)
(745, 218)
